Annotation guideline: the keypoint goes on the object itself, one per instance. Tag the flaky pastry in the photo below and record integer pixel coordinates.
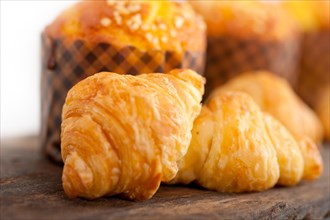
(323, 111)
(275, 96)
(236, 147)
(289, 155)
(125, 134)
(313, 165)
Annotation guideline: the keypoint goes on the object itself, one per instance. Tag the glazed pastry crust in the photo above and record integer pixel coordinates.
(323, 111)
(163, 25)
(313, 164)
(288, 152)
(275, 96)
(236, 147)
(124, 134)
(191, 165)
(231, 150)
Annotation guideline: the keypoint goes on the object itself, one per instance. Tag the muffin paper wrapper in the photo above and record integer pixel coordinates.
(66, 62)
(230, 56)
(315, 66)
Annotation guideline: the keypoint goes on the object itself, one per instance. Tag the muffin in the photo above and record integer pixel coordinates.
(314, 22)
(245, 36)
(126, 37)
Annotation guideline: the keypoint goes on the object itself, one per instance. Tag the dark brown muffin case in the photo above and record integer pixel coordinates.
(229, 56)
(315, 66)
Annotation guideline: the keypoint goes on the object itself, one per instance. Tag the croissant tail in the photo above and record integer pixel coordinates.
(76, 182)
(313, 166)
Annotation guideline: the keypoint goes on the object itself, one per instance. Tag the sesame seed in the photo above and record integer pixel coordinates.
(134, 7)
(137, 18)
(173, 33)
(122, 10)
(105, 22)
(145, 27)
(155, 40)
(149, 37)
(179, 22)
(135, 22)
(133, 26)
(162, 26)
(117, 18)
(153, 27)
(164, 39)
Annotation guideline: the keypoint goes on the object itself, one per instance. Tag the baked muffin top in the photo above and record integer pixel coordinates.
(245, 19)
(163, 25)
(310, 15)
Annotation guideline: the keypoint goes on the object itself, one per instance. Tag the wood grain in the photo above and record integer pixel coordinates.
(31, 189)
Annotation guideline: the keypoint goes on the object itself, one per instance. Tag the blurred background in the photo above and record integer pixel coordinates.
(21, 25)
(23, 21)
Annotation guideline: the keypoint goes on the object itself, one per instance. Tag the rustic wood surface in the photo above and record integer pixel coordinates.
(31, 189)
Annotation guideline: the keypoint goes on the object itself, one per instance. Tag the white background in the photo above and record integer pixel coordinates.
(21, 25)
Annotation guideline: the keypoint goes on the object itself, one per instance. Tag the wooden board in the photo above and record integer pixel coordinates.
(31, 189)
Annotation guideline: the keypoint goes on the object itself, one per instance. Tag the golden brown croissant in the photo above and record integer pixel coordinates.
(289, 155)
(124, 134)
(276, 97)
(323, 111)
(313, 165)
(236, 147)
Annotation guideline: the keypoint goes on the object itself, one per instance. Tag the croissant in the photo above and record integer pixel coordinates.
(124, 134)
(313, 165)
(289, 155)
(236, 147)
(323, 111)
(275, 96)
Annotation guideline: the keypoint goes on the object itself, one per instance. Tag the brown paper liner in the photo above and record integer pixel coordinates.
(229, 56)
(315, 66)
(66, 62)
